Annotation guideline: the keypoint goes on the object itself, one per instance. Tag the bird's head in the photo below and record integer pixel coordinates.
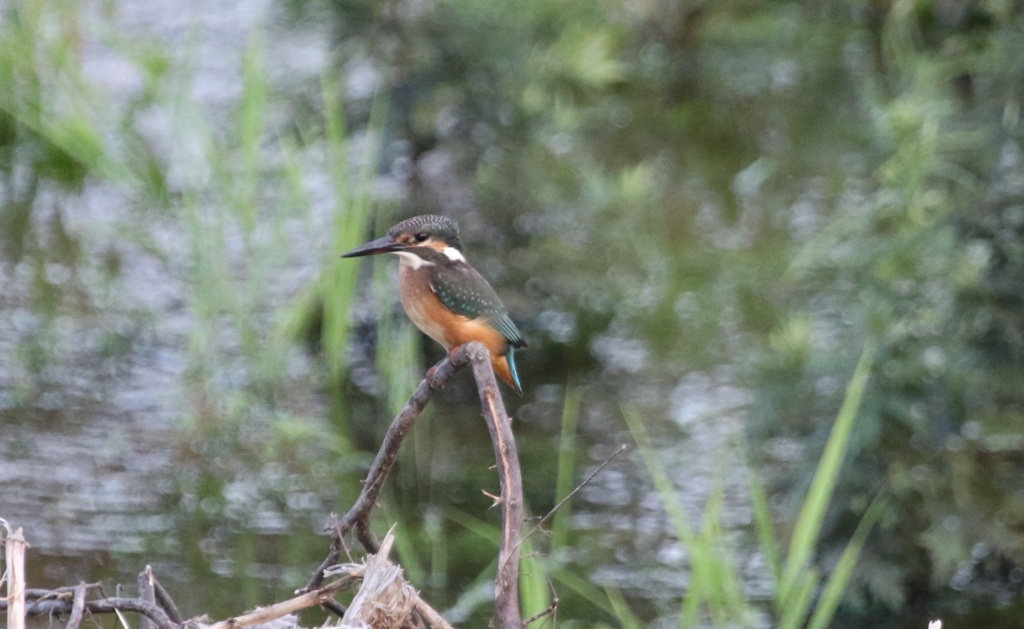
(419, 239)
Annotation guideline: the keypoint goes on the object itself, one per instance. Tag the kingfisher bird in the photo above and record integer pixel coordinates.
(445, 297)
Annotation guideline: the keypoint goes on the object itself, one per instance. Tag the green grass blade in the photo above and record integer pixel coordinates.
(625, 616)
(835, 587)
(407, 551)
(251, 116)
(477, 594)
(475, 525)
(766, 539)
(716, 569)
(353, 217)
(338, 283)
(673, 507)
(534, 590)
(795, 611)
(587, 590)
(812, 513)
(566, 467)
(662, 484)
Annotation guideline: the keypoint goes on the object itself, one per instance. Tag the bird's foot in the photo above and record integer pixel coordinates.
(433, 381)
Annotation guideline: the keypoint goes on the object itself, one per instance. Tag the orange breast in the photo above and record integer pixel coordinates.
(444, 326)
(423, 307)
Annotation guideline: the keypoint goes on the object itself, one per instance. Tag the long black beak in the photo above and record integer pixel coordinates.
(381, 245)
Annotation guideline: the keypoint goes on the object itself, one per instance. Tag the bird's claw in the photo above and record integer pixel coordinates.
(432, 380)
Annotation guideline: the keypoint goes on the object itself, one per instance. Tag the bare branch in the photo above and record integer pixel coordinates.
(39, 593)
(506, 585)
(163, 598)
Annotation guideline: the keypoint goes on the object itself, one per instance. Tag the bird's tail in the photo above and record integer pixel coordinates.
(505, 367)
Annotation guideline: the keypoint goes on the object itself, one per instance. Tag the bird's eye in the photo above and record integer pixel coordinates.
(420, 237)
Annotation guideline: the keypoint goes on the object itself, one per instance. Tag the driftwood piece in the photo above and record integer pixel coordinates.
(385, 598)
(77, 607)
(14, 554)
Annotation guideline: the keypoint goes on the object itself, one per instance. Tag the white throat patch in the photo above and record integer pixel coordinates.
(412, 260)
(453, 254)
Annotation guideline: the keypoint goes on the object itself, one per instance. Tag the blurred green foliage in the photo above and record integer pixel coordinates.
(906, 262)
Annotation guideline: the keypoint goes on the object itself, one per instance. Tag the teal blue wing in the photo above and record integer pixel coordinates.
(465, 292)
(508, 329)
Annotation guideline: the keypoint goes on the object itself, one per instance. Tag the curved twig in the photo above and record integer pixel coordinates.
(164, 600)
(137, 605)
(358, 516)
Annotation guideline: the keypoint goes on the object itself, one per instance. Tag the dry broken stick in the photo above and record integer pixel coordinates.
(509, 476)
(14, 554)
(277, 610)
(77, 607)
